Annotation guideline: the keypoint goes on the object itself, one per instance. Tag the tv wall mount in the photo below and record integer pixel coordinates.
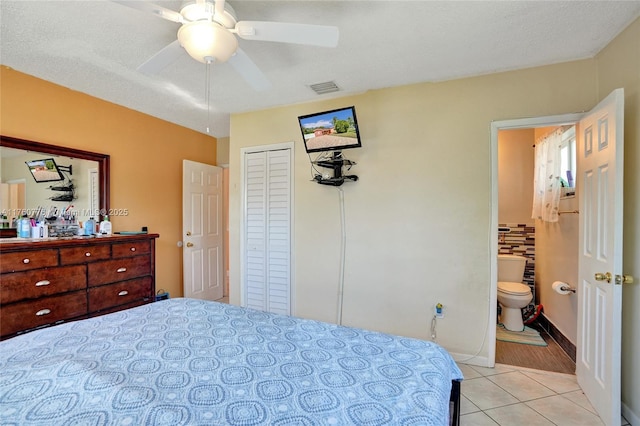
(336, 163)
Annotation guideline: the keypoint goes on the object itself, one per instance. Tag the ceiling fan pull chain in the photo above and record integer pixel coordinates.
(207, 91)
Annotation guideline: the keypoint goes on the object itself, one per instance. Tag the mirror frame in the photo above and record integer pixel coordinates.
(101, 159)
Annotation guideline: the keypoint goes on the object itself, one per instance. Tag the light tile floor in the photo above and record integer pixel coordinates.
(507, 395)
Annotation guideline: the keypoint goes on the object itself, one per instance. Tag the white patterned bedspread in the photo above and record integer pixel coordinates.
(192, 362)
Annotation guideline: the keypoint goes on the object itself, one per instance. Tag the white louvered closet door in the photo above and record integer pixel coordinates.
(267, 180)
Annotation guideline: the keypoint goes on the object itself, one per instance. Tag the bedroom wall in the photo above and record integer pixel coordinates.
(418, 219)
(618, 65)
(146, 155)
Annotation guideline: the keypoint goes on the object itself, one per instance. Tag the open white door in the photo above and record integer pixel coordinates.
(600, 169)
(202, 230)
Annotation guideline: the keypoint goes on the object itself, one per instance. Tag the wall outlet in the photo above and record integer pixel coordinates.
(439, 310)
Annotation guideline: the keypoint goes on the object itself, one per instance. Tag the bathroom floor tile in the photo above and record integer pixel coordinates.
(521, 386)
(557, 382)
(476, 419)
(485, 394)
(562, 411)
(517, 414)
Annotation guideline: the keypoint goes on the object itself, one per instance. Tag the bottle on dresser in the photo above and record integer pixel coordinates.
(105, 226)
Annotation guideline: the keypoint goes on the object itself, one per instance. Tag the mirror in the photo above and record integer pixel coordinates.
(85, 187)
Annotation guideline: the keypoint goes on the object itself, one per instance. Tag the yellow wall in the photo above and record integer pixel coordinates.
(418, 220)
(146, 155)
(515, 175)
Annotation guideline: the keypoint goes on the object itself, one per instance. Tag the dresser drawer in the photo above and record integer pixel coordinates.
(111, 271)
(41, 282)
(48, 310)
(25, 260)
(118, 308)
(131, 249)
(108, 296)
(70, 256)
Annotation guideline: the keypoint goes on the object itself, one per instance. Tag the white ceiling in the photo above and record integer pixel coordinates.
(95, 46)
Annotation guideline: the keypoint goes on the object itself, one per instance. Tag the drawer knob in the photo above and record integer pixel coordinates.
(87, 254)
(42, 312)
(122, 270)
(43, 283)
(123, 293)
(25, 261)
(132, 249)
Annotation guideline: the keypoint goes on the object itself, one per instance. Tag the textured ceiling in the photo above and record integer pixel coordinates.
(95, 46)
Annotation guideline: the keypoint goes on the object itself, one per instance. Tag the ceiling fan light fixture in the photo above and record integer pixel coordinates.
(196, 12)
(205, 39)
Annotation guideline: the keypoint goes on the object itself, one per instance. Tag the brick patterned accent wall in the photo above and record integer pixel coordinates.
(521, 241)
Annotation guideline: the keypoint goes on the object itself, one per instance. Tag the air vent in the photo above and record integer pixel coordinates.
(326, 87)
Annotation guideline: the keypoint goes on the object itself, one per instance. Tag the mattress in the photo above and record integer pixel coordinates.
(193, 362)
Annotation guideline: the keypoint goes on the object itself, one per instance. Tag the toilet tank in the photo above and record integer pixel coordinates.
(511, 267)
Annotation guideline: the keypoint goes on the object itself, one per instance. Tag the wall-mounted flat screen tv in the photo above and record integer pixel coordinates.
(45, 170)
(333, 130)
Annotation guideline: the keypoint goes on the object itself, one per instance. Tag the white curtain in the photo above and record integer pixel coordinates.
(546, 179)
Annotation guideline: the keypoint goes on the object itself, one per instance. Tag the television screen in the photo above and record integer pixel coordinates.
(330, 130)
(45, 170)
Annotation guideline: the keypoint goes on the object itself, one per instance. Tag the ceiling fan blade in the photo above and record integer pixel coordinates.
(313, 35)
(249, 71)
(163, 58)
(162, 12)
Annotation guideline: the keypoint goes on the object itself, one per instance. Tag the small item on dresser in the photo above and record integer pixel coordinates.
(105, 226)
(90, 227)
(24, 227)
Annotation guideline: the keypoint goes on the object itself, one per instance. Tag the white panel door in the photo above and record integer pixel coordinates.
(202, 230)
(600, 165)
(267, 180)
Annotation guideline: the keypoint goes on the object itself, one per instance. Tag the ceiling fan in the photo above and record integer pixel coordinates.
(208, 33)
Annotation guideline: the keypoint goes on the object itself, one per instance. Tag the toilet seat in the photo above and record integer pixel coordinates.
(516, 289)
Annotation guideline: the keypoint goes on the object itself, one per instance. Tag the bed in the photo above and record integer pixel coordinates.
(193, 362)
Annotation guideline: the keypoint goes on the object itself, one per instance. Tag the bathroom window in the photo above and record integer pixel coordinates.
(568, 160)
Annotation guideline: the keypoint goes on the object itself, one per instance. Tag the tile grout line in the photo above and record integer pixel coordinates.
(555, 393)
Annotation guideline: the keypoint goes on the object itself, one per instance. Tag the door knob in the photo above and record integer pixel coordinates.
(603, 277)
(624, 279)
(189, 244)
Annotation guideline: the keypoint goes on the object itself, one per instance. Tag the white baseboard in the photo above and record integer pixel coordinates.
(631, 417)
(480, 361)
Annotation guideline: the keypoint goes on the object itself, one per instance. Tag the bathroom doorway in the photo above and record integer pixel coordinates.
(550, 250)
(521, 238)
(600, 274)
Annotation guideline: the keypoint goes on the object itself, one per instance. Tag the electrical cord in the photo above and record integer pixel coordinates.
(343, 243)
(434, 337)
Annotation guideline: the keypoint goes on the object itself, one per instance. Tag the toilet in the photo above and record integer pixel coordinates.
(513, 295)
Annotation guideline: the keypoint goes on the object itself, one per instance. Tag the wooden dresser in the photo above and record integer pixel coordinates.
(51, 281)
